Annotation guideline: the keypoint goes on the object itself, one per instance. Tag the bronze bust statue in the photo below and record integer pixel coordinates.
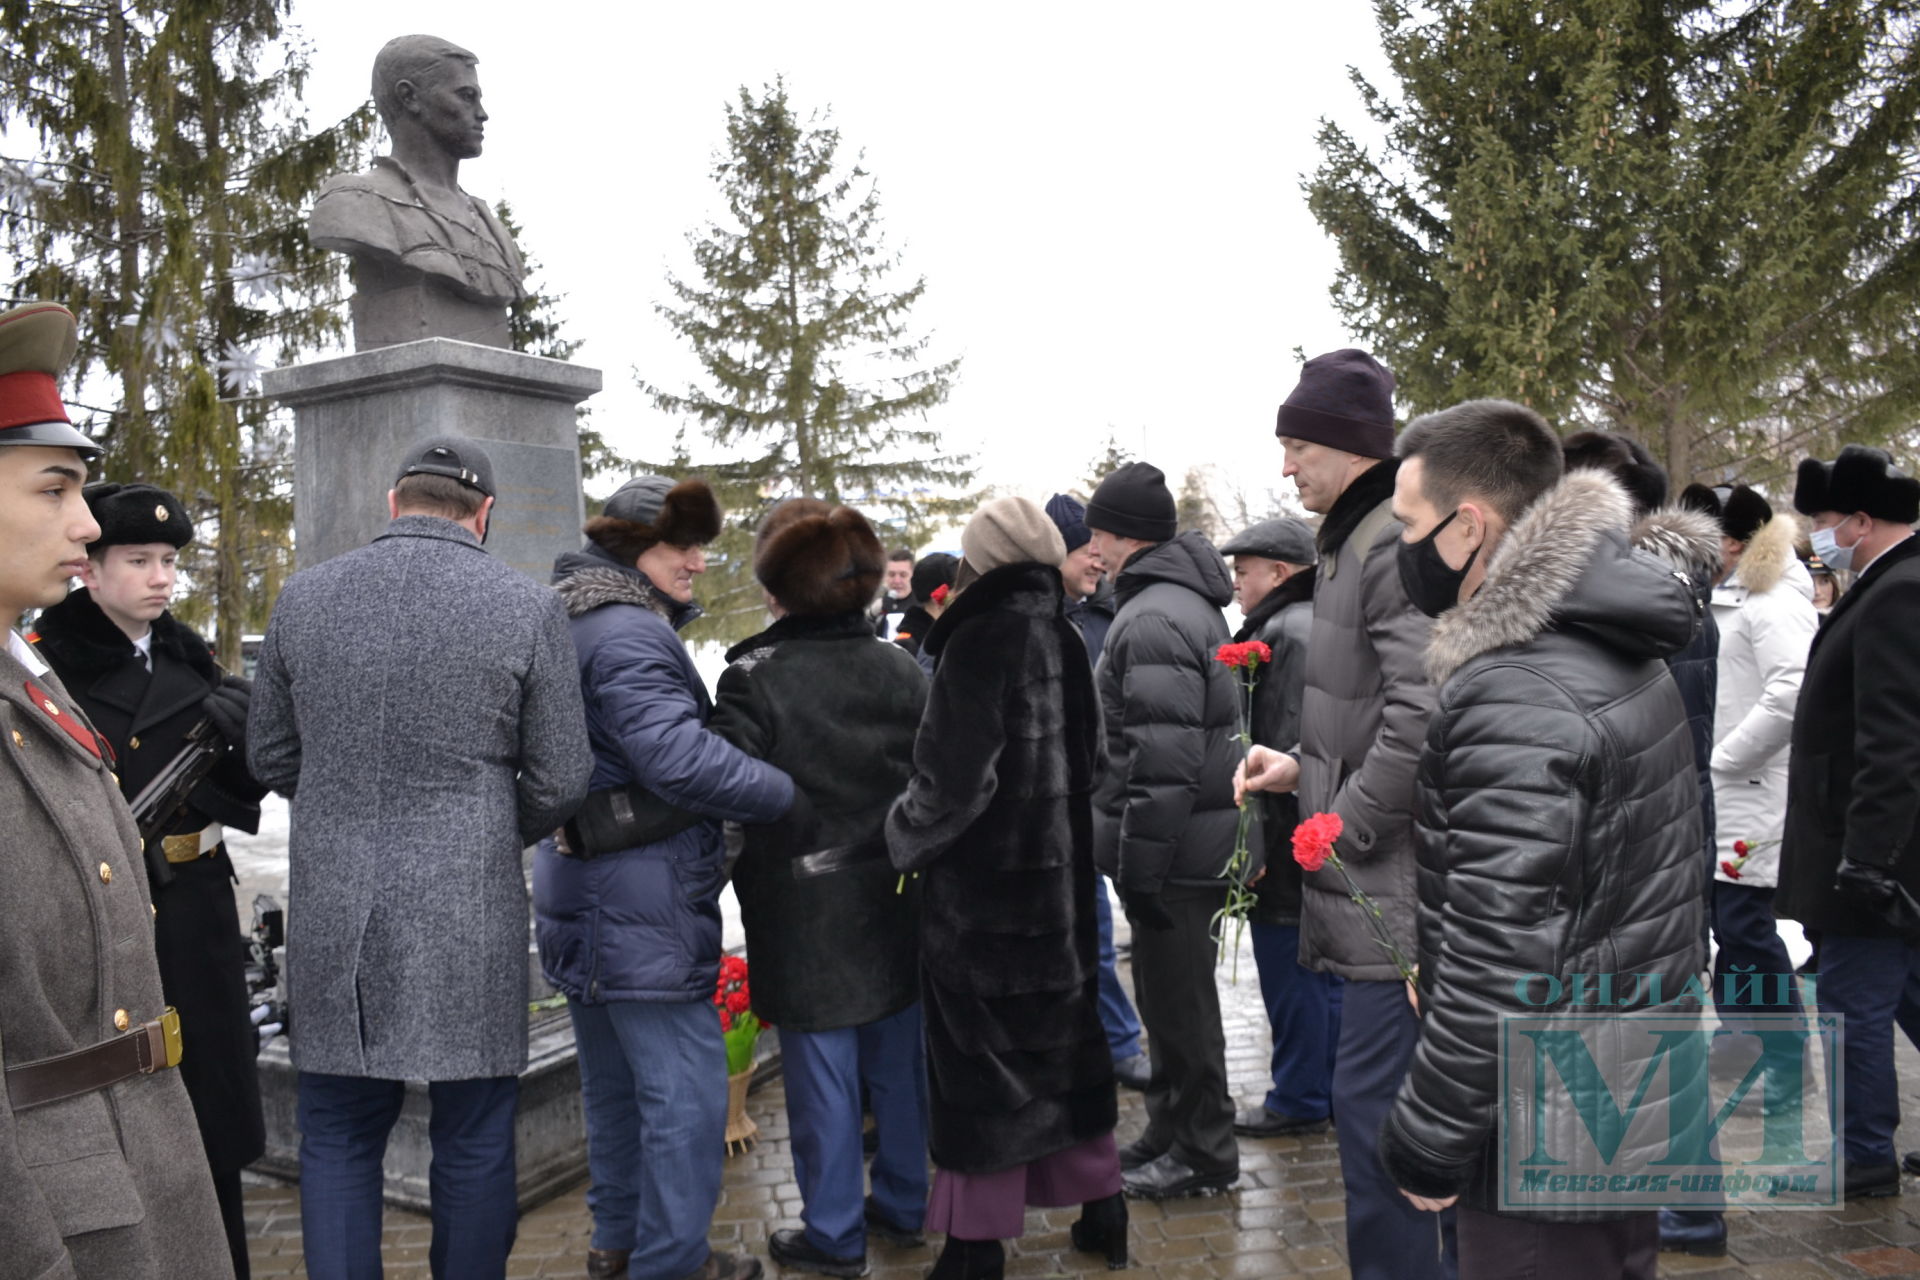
(429, 260)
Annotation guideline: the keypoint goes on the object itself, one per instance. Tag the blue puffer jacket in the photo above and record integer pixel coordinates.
(644, 923)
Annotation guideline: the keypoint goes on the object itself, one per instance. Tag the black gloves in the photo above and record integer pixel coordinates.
(227, 705)
(1885, 896)
(1145, 910)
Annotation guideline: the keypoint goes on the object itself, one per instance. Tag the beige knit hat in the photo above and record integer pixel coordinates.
(1007, 531)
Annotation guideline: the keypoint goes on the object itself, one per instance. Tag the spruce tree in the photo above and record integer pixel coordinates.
(814, 384)
(1689, 221)
(164, 203)
(534, 326)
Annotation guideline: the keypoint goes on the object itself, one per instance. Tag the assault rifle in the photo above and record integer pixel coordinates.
(159, 803)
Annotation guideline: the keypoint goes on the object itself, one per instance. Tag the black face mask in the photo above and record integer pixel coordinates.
(1432, 585)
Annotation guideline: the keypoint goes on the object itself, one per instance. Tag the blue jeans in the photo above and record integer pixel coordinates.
(1744, 929)
(344, 1122)
(824, 1071)
(1387, 1238)
(1872, 983)
(1303, 1009)
(1117, 1017)
(654, 1080)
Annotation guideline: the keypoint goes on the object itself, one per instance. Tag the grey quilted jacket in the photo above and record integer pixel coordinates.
(1362, 717)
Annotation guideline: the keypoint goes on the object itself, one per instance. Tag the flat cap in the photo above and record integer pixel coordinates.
(37, 341)
(1283, 539)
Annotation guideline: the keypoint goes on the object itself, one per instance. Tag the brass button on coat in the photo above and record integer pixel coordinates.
(120, 1020)
(106, 874)
(18, 741)
(134, 742)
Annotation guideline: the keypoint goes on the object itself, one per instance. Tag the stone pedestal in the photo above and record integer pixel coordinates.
(353, 415)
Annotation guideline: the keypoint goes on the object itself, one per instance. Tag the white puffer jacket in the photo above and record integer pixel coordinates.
(1767, 620)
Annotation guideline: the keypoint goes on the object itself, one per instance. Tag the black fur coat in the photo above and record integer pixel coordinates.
(998, 822)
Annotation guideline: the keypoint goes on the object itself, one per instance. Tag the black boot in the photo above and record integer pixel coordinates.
(1103, 1229)
(970, 1260)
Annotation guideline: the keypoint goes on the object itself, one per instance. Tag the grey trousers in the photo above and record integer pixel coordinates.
(1189, 1111)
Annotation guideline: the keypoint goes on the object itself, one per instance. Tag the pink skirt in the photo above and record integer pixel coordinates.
(993, 1206)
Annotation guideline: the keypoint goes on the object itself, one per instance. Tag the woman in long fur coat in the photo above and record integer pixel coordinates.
(997, 821)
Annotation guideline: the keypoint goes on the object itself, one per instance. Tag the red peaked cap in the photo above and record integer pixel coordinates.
(36, 342)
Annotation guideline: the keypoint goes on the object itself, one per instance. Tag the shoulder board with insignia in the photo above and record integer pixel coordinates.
(96, 746)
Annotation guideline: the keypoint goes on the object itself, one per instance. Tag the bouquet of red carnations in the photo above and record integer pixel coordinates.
(739, 1026)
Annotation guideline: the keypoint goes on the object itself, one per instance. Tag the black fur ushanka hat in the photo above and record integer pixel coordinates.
(1860, 479)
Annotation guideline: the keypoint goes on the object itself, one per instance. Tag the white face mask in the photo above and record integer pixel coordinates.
(1831, 553)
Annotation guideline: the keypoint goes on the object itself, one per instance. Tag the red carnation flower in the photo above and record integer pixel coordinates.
(940, 593)
(726, 1020)
(1313, 840)
(1740, 847)
(1259, 651)
(1731, 869)
(737, 1002)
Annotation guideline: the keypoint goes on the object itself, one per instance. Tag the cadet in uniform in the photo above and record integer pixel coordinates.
(102, 1173)
(146, 680)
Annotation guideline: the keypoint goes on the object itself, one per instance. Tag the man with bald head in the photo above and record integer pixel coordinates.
(429, 260)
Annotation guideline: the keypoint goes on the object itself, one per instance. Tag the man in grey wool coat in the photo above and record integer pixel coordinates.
(419, 703)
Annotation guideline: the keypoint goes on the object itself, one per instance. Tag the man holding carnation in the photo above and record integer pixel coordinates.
(1557, 816)
(1362, 714)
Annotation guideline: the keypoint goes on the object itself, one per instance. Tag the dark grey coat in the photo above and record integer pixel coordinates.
(419, 702)
(113, 1184)
(1363, 714)
(1284, 623)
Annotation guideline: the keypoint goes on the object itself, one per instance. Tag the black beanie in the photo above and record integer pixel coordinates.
(1344, 401)
(935, 570)
(1134, 502)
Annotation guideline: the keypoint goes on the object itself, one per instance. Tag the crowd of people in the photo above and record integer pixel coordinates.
(1557, 725)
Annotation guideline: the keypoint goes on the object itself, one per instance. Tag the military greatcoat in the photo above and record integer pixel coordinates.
(113, 1182)
(203, 957)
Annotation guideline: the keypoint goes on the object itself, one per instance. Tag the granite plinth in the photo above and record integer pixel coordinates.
(353, 416)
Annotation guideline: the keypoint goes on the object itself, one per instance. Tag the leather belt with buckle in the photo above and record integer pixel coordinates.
(142, 1051)
(194, 845)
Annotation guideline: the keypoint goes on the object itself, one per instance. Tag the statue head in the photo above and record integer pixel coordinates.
(426, 91)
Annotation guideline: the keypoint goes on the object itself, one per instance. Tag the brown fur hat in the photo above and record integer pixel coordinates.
(818, 560)
(652, 509)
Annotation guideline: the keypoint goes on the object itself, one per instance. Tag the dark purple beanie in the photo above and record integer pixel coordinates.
(1071, 519)
(1344, 401)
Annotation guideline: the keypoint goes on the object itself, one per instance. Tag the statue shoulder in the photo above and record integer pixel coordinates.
(355, 210)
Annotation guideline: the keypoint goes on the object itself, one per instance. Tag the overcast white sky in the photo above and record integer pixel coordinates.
(1104, 199)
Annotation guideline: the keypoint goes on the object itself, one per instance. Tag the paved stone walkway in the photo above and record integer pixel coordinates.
(1286, 1218)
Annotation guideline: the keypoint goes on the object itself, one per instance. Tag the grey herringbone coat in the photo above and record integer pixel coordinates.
(419, 702)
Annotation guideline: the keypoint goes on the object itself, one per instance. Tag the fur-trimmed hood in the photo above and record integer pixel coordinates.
(1567, 565)
(86, 641)
(1769, 559)
(591, 585)
(1685, 539)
